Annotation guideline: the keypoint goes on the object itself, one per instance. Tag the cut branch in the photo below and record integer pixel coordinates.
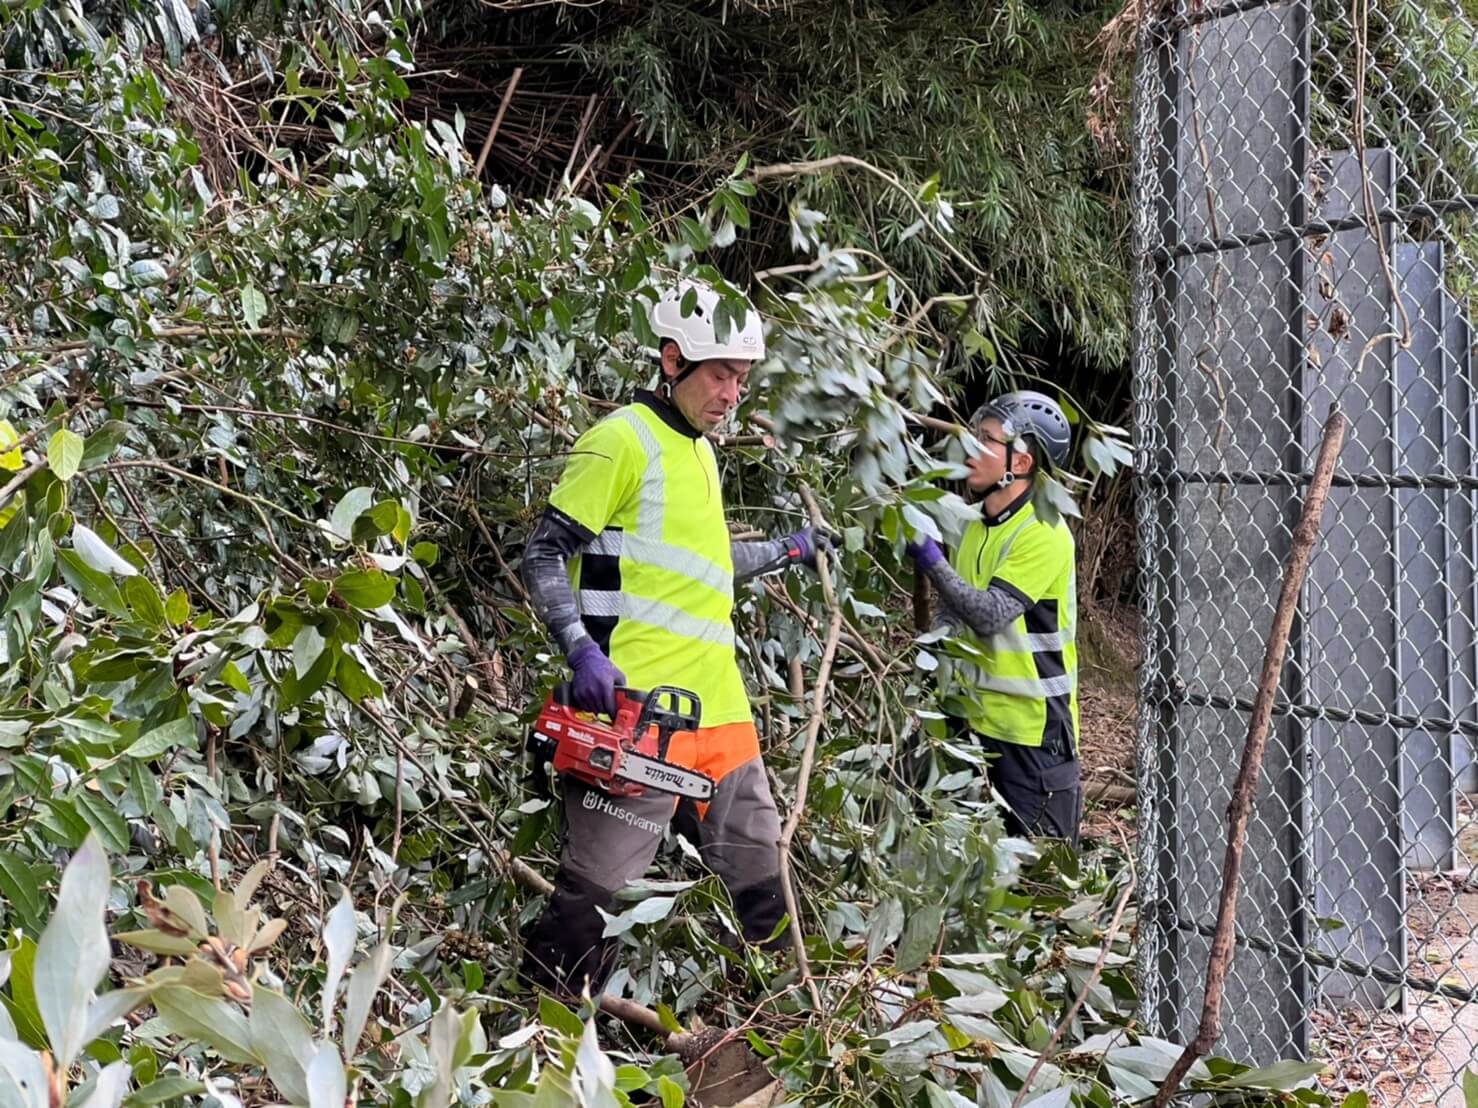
(1223, 943)
(1067, 1019)
(808, 756)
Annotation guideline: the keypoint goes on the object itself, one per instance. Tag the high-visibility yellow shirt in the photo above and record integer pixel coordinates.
(655, 586)
(1020, 685)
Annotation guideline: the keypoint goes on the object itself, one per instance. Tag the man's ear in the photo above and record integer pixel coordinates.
(670, 356)
(1023, 462)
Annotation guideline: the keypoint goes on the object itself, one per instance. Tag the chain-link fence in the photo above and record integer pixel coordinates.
(1307, 182)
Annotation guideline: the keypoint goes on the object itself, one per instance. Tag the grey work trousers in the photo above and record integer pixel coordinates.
(610, 841)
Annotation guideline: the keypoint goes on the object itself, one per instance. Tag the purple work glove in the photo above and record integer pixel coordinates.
(802, 546)
(924, 553)
(596, 678)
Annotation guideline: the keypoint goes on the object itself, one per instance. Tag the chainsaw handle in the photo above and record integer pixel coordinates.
(564, 694)
(665, 707)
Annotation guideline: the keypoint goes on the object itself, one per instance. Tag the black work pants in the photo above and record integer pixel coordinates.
(1042, 788)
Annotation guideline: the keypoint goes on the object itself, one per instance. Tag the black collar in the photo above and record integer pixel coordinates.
(1005, 513)
(667, 413)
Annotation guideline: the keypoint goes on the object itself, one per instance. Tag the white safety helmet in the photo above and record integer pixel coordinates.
(695, 334)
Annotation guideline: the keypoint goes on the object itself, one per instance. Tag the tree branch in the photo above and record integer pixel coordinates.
(1223, 943)
(844, 161)
(808, 757)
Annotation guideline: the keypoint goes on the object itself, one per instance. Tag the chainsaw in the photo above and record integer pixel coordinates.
(626, 754)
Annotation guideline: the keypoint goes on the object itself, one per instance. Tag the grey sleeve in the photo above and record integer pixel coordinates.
(751, 559)
(945, 615)
(555, 540)
(984, 611)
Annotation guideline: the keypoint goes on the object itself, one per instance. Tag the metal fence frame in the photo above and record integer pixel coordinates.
(1285, 263)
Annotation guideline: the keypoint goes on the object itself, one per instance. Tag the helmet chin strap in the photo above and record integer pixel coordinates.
(685, 370)
(1008, 478)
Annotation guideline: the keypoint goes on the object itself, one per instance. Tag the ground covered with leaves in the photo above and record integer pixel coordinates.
(274, 421)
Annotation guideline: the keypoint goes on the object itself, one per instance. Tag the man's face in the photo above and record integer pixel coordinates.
(713, 390)
(989, 467)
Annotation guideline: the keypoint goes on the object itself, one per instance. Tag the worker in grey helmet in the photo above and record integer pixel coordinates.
(632, 570)
(1010, 591)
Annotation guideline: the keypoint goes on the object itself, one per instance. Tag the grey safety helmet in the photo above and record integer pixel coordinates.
(1035, 416)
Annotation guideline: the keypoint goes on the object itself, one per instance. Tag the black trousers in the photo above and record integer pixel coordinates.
(1042, 788)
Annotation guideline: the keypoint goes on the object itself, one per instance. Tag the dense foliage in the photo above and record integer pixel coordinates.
(274, 418)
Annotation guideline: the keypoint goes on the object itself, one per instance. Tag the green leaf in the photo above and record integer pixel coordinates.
(426, 553)
(354, 682)
(554, 1014)
(206, 1019)
(919, 936)
(350, 507)
(473, 976)
(177, 608)
(364, 982)
(163, 1090)
(338, 943)
(103, 818)
(1470, 1089)
(21, 886)
(96, 588)
(366, 589)
(10, 454)
(327, 1081)
(253, 306)
(297, 689)
(185, 904)
(22, 999)
(102, 442)
(384, 515)
(884, 927)
(22, 1080)
(73, 953)
(144, 787)
(231, 674)
(143, 598)
(281, 1038)
(1280, 1076)
(64, 454)
(158, 942)
(670, 1092)
(308, 645)
(164, 738)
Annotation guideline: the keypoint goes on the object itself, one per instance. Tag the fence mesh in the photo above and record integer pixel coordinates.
(1307, 178)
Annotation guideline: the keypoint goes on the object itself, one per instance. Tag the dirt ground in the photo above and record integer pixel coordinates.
(1108, 652)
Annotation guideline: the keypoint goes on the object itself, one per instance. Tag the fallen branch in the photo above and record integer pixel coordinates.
(1067, 1019)
(1116, 796)
(808, 756)
(1239, 811)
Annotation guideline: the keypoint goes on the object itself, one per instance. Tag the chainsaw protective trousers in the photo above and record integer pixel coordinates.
(611, 840)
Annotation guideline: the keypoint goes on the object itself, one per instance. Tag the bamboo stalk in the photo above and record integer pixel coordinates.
(487, 143)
